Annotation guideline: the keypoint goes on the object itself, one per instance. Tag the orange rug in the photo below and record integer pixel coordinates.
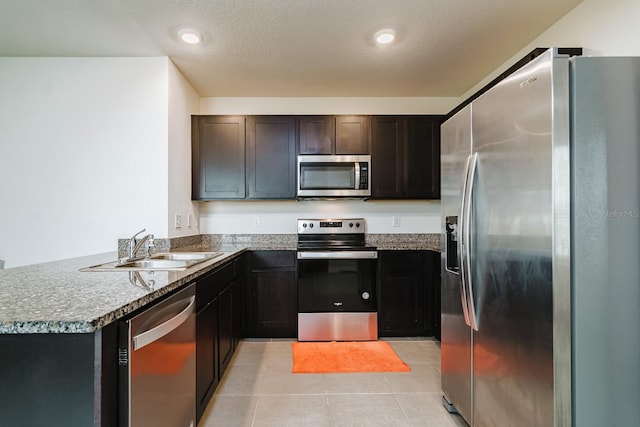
(347, 356)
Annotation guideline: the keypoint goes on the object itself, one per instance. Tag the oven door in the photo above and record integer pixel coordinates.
(337, 281)
(337, 296)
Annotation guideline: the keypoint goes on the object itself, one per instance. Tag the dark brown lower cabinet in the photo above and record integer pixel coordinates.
(238, 287)
(272, 299)
(218, 327)
(206, 355)
(434, 274)
(63, 379)
(225, 328)
(405, 294)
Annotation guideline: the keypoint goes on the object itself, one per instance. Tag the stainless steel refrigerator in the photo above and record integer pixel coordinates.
(541, 247)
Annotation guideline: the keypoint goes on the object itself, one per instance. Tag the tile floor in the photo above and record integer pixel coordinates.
(259, 389)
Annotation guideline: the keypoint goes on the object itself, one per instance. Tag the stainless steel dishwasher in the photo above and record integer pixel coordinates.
(157, 364)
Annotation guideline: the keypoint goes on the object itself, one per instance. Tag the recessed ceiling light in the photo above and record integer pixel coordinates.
(190, 37)
(385, 37)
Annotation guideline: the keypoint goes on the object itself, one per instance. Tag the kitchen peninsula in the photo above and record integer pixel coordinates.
(58, 337)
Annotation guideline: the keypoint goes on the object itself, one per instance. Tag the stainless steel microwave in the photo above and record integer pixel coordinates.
(334, 176)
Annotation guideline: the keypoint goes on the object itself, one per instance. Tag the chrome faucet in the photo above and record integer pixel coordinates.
(136, 244)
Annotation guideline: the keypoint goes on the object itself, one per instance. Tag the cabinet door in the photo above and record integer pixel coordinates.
(271, 157)
(388, 153)
(225, 329)
(238, 310)
(218, 157)
(403, 308)
(316, 135)
(274, 304)
(239, 298)
(273, 301)
(206, 355)
(352, 135)
(423, 157)
(435, 279)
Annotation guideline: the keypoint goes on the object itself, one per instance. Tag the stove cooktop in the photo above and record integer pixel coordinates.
(331, 226)
(332, 234)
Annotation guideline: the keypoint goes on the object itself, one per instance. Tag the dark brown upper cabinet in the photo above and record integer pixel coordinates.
(352, 135)
(218, 157)
(333, 135)
(271, 155)
(388, 146)
(405, 157)
(316, 135)
(423, 156)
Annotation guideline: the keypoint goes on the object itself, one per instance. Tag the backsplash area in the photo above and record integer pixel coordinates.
(279, 217)
(206, 242)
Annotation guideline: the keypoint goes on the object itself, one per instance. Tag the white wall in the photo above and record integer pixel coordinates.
(83, 154)
(261, 217)
(183, 101)
(601, 28)
(389, 105)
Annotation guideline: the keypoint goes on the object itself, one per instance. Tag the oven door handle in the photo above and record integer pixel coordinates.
(338, 255)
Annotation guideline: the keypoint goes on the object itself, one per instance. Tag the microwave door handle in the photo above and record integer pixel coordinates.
(357, 183)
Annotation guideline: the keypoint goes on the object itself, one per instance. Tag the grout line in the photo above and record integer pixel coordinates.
(255, 411)
(395, 397)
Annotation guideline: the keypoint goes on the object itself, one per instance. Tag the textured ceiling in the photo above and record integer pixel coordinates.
(291, 47)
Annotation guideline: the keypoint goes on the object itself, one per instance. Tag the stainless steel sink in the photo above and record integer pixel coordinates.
(186, 256)
(168, 261)
(155, 264)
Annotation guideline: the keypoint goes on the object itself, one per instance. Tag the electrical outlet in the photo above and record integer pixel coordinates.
(395, 221)
(178, 221)
(256, 221)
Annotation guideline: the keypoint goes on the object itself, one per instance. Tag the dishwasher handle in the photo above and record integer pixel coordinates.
(154, 334)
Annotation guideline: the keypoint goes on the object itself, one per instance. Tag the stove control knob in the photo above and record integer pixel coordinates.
(357, 225)
(311, 225)
(351, 224)
(365, 295)
(304, 225)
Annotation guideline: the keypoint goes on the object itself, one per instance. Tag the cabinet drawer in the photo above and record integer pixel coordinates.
(209, 286)
(239, 266)
(273, 259)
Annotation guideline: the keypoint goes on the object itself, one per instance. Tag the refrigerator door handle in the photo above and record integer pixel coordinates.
(462, 245)
(466, 232)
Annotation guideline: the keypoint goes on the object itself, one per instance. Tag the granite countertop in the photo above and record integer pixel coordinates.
(56, 297)
(409, 242)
